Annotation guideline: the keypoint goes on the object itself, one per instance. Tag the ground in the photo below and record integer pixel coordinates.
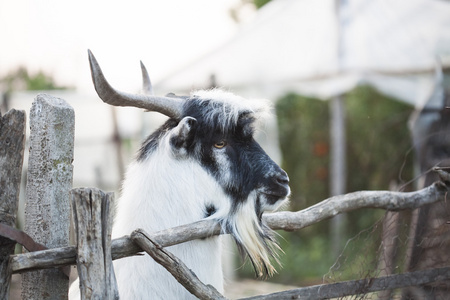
(248, 287)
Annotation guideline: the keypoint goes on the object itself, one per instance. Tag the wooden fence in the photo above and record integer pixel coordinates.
(49, 197)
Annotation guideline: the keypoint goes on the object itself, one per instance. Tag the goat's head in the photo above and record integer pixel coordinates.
(215, 129)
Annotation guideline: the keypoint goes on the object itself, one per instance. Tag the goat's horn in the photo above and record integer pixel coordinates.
(171, 107)
(146, 83)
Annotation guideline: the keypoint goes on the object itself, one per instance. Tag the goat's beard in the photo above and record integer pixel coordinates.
(253, 238)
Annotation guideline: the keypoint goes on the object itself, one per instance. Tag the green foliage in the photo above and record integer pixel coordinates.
(378, 155)
(304, 261)
(379, 140)
(304, 141)
(21, 79)
(260, 3)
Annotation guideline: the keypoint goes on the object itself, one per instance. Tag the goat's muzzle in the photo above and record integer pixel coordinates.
(276, 191)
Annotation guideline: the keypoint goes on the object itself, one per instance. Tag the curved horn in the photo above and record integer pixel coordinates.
(146, 83)
(171, 107)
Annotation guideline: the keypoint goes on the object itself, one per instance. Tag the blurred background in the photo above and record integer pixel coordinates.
(360, 90)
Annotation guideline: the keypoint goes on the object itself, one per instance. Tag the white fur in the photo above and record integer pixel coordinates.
(154, 193)
(233, 105)
(246, 228)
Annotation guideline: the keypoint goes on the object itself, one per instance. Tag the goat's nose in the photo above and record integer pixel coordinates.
(282, 178)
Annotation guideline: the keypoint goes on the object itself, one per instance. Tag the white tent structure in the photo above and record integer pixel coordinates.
(324, 48)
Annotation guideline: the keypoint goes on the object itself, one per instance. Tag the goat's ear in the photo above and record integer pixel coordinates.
(181, 134)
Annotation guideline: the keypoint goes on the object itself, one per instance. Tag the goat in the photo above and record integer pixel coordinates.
(202, 163)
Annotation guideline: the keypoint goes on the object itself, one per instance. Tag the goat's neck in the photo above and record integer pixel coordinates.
(162, 192)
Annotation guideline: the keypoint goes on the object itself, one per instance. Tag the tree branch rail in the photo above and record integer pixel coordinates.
(289, 221)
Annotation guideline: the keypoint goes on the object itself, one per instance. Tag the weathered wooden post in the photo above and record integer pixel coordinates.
(47, 208)
(93, 226)
(12, 145)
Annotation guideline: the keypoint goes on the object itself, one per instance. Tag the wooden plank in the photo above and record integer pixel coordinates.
(47, 210)
(93, 225)
(12, 145)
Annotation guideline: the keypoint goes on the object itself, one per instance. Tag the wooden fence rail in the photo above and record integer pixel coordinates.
(49, 179)
(361, 286)
(289, 221)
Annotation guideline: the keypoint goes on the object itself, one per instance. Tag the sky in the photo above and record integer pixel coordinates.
(54, 35)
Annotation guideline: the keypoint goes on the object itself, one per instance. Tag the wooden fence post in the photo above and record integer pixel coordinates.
(47, 208)
(93, 226)
(12, 145)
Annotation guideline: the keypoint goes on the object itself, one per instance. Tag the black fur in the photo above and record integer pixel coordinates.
(249, 162)
(210, 210)
(152, 141)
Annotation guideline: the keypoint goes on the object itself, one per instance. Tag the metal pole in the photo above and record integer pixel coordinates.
(338, 180)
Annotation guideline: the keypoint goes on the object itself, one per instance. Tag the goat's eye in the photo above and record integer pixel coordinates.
(220, 145)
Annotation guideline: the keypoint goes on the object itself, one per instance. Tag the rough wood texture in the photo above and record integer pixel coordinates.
(47, 210)
(360, 287)
(176, 267)
(12, 145)
(93, 226)
(46, 259)
(389, 246)
(289, 221)
(392, 201)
